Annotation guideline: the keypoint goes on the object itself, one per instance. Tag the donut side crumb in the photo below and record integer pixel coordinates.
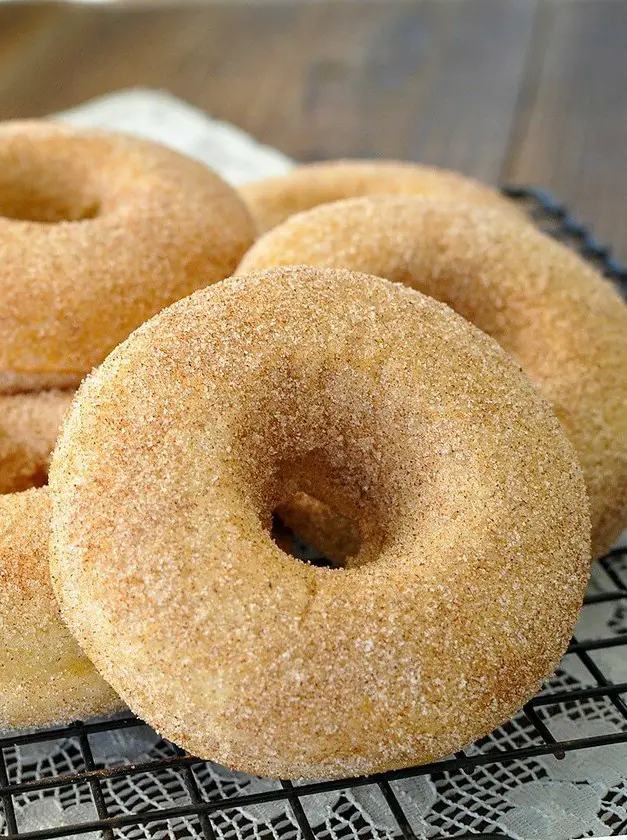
(45, 677)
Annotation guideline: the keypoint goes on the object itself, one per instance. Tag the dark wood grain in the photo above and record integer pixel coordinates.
(571, 133)
(421, 80)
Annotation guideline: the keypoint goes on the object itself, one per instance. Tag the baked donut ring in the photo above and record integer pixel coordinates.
(44, 677)
(98, 231)
(272, 200)
(29, 424)
(389, 407)
(550, 309)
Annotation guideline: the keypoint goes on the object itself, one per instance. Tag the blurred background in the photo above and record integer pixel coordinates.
(529, 91)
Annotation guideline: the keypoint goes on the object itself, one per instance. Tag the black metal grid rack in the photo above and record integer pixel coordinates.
(200, 809)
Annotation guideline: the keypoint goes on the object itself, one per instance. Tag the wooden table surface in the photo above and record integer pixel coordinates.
(528, 91)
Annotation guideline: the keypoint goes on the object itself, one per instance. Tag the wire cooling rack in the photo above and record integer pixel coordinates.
(117, 779)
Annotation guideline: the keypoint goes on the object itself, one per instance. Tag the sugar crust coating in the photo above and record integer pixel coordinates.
(98, 232)
(29, 424)
(392, 409)
(272, 200)
(44, 676)
(564, 323)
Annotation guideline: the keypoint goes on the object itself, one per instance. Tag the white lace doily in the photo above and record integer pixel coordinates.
(584, 794)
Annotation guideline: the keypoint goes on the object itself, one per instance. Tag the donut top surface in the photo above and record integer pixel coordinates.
(389, 407)
(99, 231)
(272, 200)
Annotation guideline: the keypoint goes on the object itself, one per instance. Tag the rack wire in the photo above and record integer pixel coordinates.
(166, 774)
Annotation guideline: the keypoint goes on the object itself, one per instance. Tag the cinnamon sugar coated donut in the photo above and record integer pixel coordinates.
(394, 411)
(272, 200)
(29, 424)
(98, 231)
(550, 309)
(44, 677)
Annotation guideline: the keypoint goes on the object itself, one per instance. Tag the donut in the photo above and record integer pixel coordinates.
(29, 424)
(383, 404)
(44, 677)
(563, 322)
(98, 231)
(272, 200)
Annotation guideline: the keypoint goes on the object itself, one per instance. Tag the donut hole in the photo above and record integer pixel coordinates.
(313, 466)
(46, 196)
(34, 207)
(313, 531)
